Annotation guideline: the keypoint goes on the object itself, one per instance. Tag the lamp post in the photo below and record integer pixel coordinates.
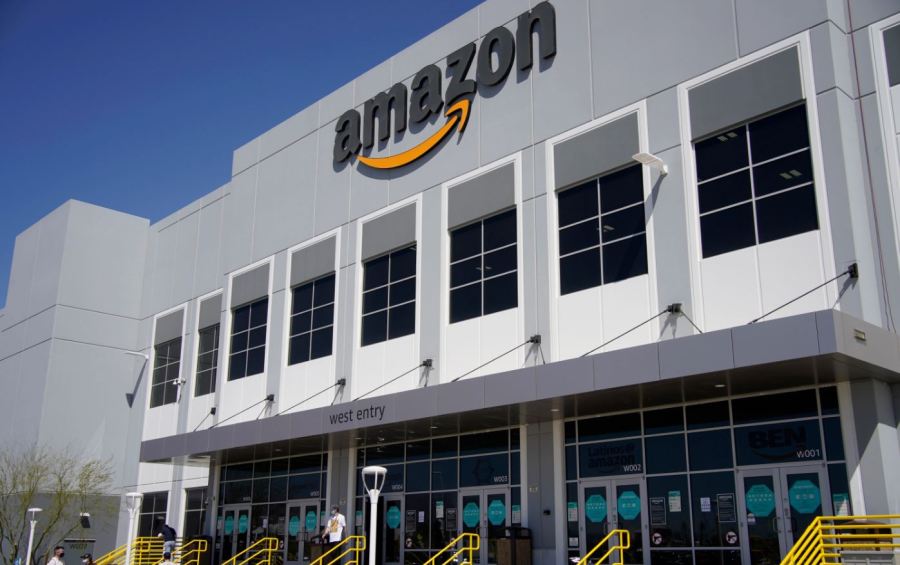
(133, 503)
(378, 475)
(33, 511)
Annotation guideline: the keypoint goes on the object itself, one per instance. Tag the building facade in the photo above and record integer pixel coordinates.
(569, 265)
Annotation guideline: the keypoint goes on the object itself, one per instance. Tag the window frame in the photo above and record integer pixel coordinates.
(387, 287)
(231, 335)
(311, 311)
(164, 384)
(214, 369)
(801, 42)
(750, 168)
(598, 219)
(481, 254)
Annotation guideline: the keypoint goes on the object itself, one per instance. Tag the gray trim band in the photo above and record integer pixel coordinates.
(313, 261)
(210, 312)
(388, 232)
(249, 286)
(168, 327)
(743, 94)
(481, 196)
(596, 151)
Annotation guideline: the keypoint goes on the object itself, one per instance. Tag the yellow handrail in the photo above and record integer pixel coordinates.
(259, 553)
(623, 544)
(191, 552)
(470, 544)
(357, 549)
(824, 539)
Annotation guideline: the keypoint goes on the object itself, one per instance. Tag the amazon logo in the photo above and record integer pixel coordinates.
(355, 133)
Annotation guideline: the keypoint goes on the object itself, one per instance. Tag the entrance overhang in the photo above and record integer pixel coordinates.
(806, 349)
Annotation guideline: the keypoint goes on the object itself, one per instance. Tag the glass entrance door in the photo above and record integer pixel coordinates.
(485, 512)
(393, 519)
(302, 527)
(609, 504)
(235, 530)
(778, 505)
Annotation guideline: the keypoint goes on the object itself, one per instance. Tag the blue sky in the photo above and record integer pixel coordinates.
(137, 106)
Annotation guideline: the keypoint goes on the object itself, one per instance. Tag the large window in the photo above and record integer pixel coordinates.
(312, 320)
(602, 231)
(389, 296)
(483, 266)
(153, 513)
(166, 366)
(207, 360)
(755, 183)
(194, 512)
(248, 340)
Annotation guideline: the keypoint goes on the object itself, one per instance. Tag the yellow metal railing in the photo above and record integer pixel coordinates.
(828, 537)
(191, 552)
(149, 551)
(352, 547)
(624, 542)
(469, 543)
(259, 553)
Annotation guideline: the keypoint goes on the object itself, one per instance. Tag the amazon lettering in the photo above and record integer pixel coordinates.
(493, 59)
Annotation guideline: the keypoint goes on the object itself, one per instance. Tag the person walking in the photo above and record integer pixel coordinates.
(333, 532)
(58, 553)
(167, 559)
(167, 533)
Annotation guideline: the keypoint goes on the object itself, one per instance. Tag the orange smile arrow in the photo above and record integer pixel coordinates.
(458, 112)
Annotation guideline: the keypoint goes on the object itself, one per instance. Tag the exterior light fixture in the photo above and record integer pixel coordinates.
(376, 475)
(33, 523)
(133, 503)
(652, 161)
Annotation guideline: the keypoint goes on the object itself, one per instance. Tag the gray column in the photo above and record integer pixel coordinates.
(875, 424)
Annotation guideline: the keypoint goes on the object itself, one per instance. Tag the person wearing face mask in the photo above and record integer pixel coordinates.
(57, 559)
(334, 531)
(87, 559)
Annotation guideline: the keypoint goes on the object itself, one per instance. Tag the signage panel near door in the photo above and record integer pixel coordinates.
(778, 443)
(611, 458)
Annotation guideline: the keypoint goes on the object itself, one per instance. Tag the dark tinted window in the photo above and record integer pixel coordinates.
(782, 442)
(389, 296)
(608, 427)
(757, 192)
(728, 230)
(662, 421)
(418, 476)
(721, 153)
(789, 405)
(710, 450)
(207, 360)
(712, 415)
(829, 400)
(706, 490)
(787, 213)
(486, 442)
(166, 369)
(312, 319)
(676, 529)
(483, 275)
(608, 458)
(665, 454)
(483, 470)
(834, 441)
(248, 340)
(607, 212)
(443, 474)
(779, 133)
